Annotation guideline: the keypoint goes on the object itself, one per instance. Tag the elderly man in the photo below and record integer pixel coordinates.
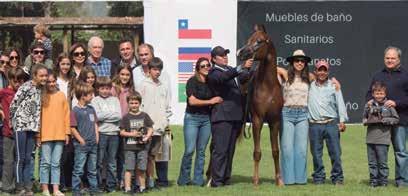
(395, 78)
(226, 117)
(101, 65)
(327, 114)
(127, 56)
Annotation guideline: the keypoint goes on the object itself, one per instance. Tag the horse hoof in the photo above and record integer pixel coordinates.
(255, 182)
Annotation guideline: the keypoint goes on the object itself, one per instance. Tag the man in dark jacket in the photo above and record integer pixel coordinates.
(226, 117)
(395, 78)
(127, 56)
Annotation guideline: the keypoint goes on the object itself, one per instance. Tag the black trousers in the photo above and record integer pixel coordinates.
(224, 137)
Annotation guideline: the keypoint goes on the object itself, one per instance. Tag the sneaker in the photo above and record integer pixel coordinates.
(58, 193)
(46, 193)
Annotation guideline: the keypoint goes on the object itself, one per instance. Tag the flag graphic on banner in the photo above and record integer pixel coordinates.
(185, 33)
(187, 56)
(193, 53)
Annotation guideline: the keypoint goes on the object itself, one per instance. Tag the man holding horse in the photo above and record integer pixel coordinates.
(226, 117)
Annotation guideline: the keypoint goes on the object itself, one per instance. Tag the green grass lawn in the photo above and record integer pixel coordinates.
(354, 159)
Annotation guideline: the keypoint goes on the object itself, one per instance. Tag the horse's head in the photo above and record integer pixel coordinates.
(256, 47)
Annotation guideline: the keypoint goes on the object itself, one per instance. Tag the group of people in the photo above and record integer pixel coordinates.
(96, 124)
(102, 124)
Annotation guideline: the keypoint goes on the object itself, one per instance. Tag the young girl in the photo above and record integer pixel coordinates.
(122, 86)
(87, 76)
(25, 113)
(16, 78)
(64, 73)
(55, 131)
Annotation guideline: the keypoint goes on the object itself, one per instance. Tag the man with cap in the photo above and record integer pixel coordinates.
(327, 114)
(226, 117)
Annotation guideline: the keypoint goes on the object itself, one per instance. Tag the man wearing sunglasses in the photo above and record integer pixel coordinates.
(37, 56)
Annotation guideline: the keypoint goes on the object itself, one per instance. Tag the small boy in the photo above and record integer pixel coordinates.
(109, 114)
(16, 77)
(137, 129)
(84, 128)
(380, 120)
(156, 96)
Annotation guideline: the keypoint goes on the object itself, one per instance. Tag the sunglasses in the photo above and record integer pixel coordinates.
(299, 60)
(14, 57)
(77, 54)
(205, 65)
(2, 62)
(38, 51)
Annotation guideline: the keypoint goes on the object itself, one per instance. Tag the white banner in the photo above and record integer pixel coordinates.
(183, 30)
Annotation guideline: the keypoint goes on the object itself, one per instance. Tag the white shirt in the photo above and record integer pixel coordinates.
(63, 86)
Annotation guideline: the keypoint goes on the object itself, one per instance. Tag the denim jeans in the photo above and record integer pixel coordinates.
(83, 154)
(25, 142)
(162, 170)
(108, 147)
(328, 132)
(294, 145)
(50, 161)
(377, 155)
(399, 142)
(197, 132)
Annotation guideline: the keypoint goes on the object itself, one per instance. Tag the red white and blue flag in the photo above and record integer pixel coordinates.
(188, 52)
(185, 33)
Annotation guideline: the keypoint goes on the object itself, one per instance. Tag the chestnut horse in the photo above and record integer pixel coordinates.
(265, 97)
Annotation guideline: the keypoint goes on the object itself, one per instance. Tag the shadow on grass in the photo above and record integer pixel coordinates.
(248, 179)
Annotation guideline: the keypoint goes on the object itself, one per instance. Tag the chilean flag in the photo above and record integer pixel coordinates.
(193, 53)
(185, 33)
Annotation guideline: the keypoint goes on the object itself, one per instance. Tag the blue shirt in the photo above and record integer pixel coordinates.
(324, 102)
(102, 68)
(83, 119)
(396, 82)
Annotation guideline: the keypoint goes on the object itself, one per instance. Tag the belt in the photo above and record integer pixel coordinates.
(324, 121)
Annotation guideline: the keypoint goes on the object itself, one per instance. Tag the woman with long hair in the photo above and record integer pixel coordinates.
(78, 54)
(197, 126)
(64, 73)
(295, 124)
(15, 57)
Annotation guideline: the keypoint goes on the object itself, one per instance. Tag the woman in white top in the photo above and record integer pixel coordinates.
(295, 124)
(64, 72)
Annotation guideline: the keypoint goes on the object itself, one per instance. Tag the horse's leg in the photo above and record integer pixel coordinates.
(274, 138)
(256, 132)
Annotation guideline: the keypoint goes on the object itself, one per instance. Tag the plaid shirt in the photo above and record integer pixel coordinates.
(102, 68)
